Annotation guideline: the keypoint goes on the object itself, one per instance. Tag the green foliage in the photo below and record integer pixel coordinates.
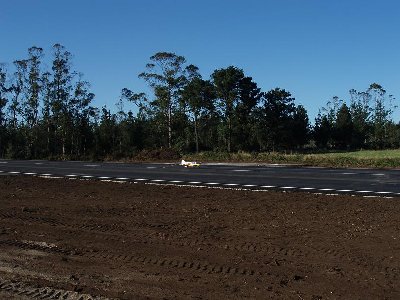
(48, 113)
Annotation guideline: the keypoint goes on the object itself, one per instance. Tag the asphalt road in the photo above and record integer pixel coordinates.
(325, 180)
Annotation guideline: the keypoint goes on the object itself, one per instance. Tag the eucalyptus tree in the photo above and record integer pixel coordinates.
(227, 88)
(17, 89)
(360, 111)
(3, 103)
(80, 111)
(61, 88)
(382, 113)
(165, 74)
(198, 97)
(31, 101)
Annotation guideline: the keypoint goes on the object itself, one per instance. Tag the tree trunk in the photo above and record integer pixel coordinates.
(196, 135)
(169, 127)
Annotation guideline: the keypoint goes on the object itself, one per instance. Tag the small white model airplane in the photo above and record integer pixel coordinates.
(189, 164)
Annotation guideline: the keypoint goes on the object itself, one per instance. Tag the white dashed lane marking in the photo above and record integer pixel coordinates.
(93, 166)
(119, 179)
(3, 162)
(241, 170)
(349, 173)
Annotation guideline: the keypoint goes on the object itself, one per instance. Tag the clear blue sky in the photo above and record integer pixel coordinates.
(315, 49)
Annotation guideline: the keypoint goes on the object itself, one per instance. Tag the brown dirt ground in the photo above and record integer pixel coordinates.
(73, 239)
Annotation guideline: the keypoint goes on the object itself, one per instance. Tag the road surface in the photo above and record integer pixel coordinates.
(317, 180)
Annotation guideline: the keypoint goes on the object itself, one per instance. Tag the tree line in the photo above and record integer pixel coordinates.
(47, 112)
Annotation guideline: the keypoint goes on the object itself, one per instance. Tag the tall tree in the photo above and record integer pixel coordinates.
(227, 87)
(381, 114)
(343, 128)
(198, 96)
(30, 110)
(277, 112)
(360, 111)
(322, 131)
(300, 127)
(244, 117)
(165, 75)
(3, 103)
(61, 87)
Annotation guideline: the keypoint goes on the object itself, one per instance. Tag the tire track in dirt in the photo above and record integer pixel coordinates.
(276, 254)
(197, 266)
(24, 289)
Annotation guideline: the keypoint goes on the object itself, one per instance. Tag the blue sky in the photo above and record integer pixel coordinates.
(316, 49)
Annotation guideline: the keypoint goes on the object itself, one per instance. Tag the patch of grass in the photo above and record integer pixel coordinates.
(357, 159)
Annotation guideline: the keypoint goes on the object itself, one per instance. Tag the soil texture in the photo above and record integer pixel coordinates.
(88, 239)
